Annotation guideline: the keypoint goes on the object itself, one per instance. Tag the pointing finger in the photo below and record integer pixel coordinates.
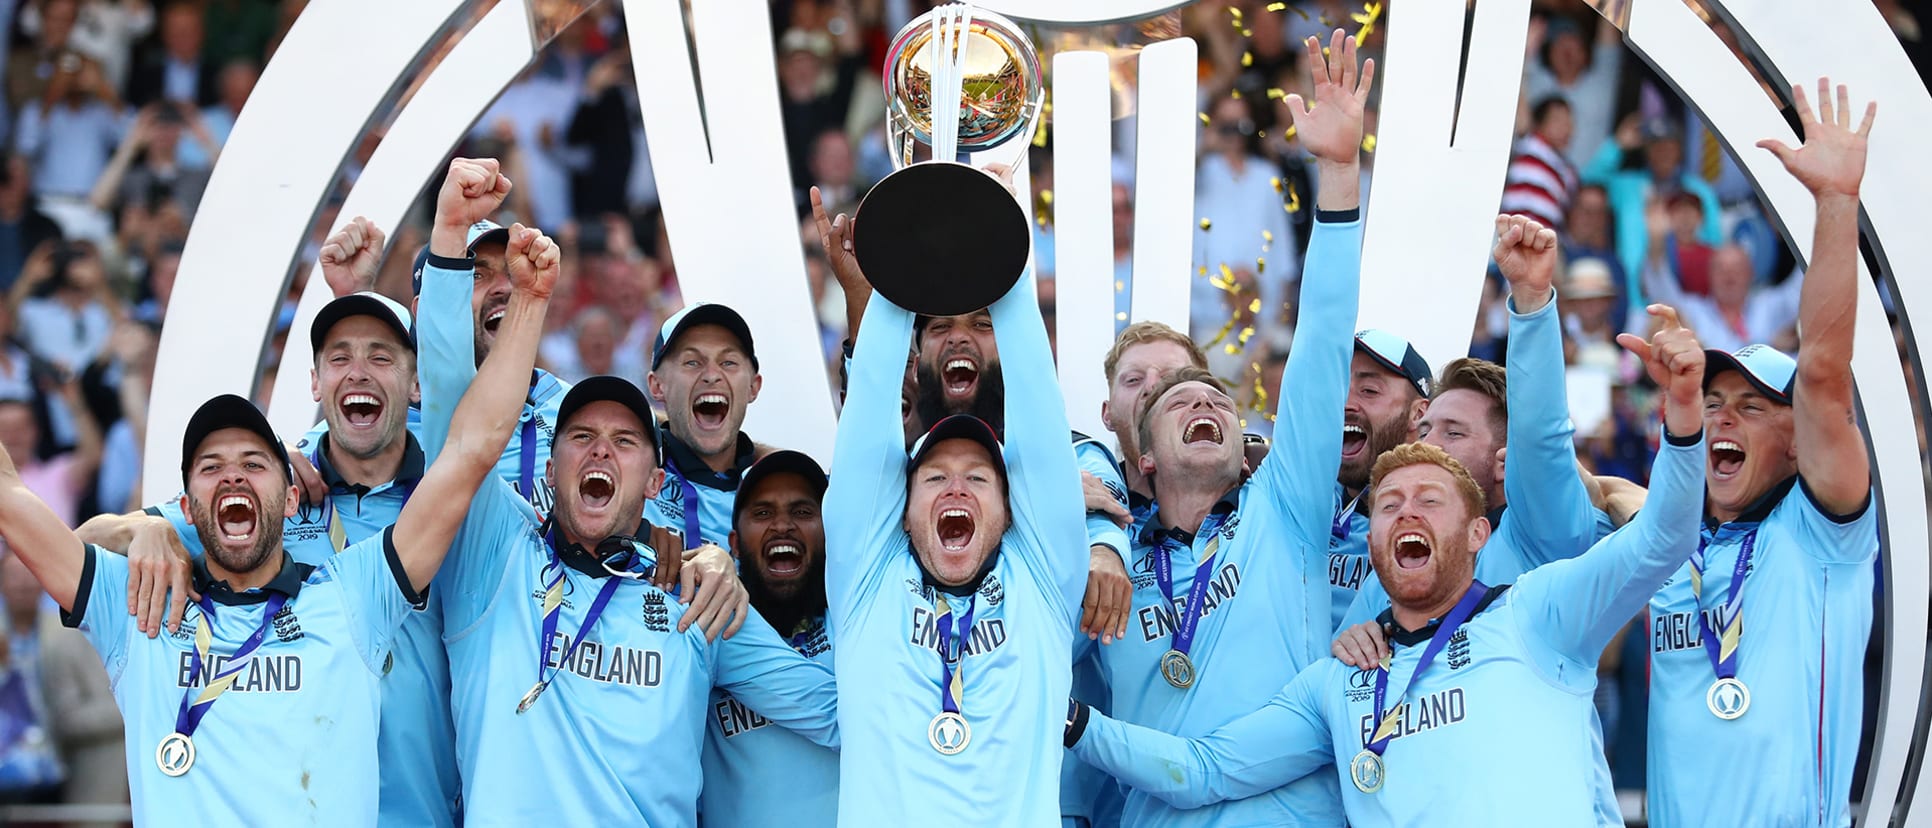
(1669, 316)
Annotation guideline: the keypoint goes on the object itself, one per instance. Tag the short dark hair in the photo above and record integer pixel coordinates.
(1485, 378)
(1144, 432)
(1540, 111)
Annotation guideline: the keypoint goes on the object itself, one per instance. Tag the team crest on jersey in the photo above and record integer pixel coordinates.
(1227, 529)
(287, 628)
(657, 615)
(991, 590)
(1143, 576)
(1458, 650)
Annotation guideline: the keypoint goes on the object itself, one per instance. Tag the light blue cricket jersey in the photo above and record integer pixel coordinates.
(420, 785)
(686, 476)
(1088, 796)
(593, 747)
(1807, 604)
(1349, 570)
(757, 773)
(1495, 732)
(1015, 666)
(294, 740)
(1267, 610)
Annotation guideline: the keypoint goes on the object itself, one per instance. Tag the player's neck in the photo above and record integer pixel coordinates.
(1187, 508)
(256, 578)
(1415, 617)
(368, 471)
(719, 462)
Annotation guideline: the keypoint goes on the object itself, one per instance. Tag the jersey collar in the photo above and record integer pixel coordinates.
(287, 581)
(1154, 534)
(697, 471)
(1757, 511)
(411, 470)
(1410, 638)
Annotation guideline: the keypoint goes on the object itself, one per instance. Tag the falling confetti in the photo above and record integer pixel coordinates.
(1204, 119)
(1247, 58)
(1119, 285)
(1120, 316)
(1294, 200)
(1203, 270)
(1222, 334)
(1260, 264)
(1235, 94)
(1370, 13)
(1275, 183)
(1267, 236)
(1275, 7)
(1254, 306)
(1290, 133)
(1276, 94)
(1247, 32)
(1207, 223)
(1368, 143)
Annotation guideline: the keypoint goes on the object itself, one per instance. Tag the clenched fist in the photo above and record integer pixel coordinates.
(472, 191)
(1526, 253)
(349, 258)
(532, 259)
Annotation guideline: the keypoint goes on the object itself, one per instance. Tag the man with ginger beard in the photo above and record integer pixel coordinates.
(1477, 670)
(570, 670)
(224, 719)
(779, 537)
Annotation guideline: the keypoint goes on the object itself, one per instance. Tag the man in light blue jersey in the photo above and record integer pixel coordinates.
(1477, 409)
(1231, 595)
(1758, 724)
(756, 774)
(704, 372)
(1387, 392)
(263, 706)
(574, 678)
(1478, 671)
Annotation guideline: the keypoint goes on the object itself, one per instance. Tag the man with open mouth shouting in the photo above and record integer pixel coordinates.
(1477, 670)
(264, 705)
(1790, 536)
(704, 373)
(574, 676)
(778, 535)
(1230, 572)
(1388, 389)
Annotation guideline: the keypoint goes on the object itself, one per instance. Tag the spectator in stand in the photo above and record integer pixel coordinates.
(601, 133)
(30, 767)
(22, 226)
(126, 372)
(65, 307)
(146, 168)
(532, 116)
(64, 478)
(1541, 181)
(1661, 175)
(834, 172)
(69, 133)
(242, 28)
(587, 348)
(178, 71)
(237, 82)
(809, 105)
(17, 377)
(1580, 73)
(1689, 257)
(1588, 305)
(1735, 314)
(104, 30)
(30, 70)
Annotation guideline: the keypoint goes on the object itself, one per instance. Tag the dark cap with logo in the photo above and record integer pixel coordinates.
(614, 389)
(229, 411)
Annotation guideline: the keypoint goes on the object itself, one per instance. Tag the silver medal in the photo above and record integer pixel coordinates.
(1728, 698)
(1367, 771)
(1178, 669)
(530, 698)
(175, 755)
(949, 733)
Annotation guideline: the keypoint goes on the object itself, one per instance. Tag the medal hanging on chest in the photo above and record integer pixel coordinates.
(949, 733)
(1177, 666)
(1727, 698)
(1368, 770)
(175, 755)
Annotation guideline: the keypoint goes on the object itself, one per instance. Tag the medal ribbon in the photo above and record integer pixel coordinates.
(552, 602)
(1339, 528)
(952, 679)
(1388, 719)
(691, 505)
(1190, 615)
(1723, 649)
(195, 705)
(527, 458)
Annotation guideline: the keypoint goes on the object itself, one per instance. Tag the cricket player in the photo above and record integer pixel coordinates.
(704, 372)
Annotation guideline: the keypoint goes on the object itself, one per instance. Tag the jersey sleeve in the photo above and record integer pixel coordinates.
(1094, 459)
(1286, 739)
(865, 502)
(1574, 607)
(171, 509)
(445, 346)
(377, 592)
(498, 524)
(1369, 603)
(784, 686)
(1836, 539)
(1045, 495)
(100, 607)
(1549, 509)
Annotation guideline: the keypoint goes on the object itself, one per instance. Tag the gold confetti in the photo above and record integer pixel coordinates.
(1206, 223)
(1046, 197)
(1119, 285)
(1040, 134)
(1204, 119)
(1276, 94)
(1235, 12)
(1203, 270)
(1294, 199)
(1247, 58)
(1120, 316)
(1231, 348)
(1275, 183)
(1235, 94)
(1367, 17)
(1222, 334)
(1275, 7)
(1247, 33)
(1254, 306)
(1260, 264)
(1261, 134)
(1290, 134)
(1246, 334)
(1368, 143)
(1269, 235)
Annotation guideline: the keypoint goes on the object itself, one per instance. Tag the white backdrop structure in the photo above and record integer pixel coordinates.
(709, 99)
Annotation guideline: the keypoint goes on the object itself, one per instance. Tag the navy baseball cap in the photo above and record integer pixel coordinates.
(482, 232)
(366, 303)
(702, 313)
(1768, 369)
(1397, 355)
(617, 390)
(961, 426)
(780, 462)
(229, 411)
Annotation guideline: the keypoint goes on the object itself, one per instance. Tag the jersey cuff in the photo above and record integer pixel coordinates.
(152, 511)
(398, 571)
(1683, 442)
(1338, 216)
(73, 619)
(446, 263)
(1834, 517)
(1077, 715)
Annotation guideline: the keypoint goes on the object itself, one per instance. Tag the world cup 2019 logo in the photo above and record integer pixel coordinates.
(719, 159)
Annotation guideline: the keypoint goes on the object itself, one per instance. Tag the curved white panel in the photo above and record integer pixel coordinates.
(275, 169)
(1083, 231)
(456, 93)
(1164, 189)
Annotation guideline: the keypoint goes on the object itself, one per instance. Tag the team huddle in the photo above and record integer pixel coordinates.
(476, 594)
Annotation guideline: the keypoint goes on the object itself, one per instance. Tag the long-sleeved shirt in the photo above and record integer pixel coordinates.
(1768, 311)
(1517, 681)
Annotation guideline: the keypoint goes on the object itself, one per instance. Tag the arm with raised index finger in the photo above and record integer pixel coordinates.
(1832, 457)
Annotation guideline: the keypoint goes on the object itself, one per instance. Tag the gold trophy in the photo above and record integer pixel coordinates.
(942, 237)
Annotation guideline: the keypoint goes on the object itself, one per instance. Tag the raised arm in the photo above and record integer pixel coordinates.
(50, 550)
(1301, 478)
(866, 500)
(1548, 504)
(487, 415)
(351, 258)
(1830, 163)
(1576, 606)
(1045, 498)
(1283, 741)
(445, 335)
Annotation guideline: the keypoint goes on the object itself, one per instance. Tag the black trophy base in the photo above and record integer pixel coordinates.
(941, 239)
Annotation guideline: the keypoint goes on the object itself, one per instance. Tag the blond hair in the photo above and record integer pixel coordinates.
(1423, 454)
(1485, 378)
(1142, 333)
